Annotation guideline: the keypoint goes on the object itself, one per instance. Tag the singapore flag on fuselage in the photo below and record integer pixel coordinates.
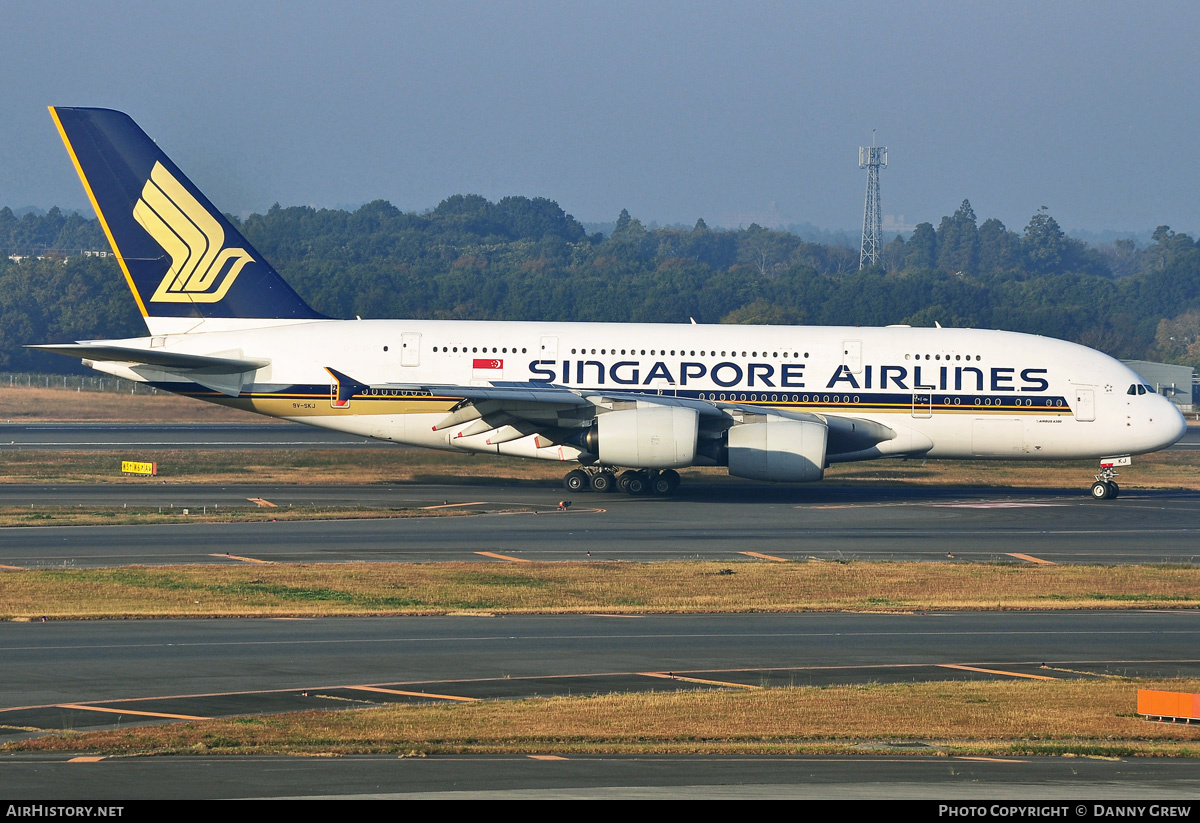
(487, 368)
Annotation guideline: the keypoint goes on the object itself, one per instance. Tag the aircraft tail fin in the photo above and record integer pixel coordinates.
(181, 257)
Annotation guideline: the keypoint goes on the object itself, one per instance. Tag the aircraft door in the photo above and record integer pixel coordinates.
(1085, 404)
(664, 388)
(852, 355)
(922, 402)
(410, 349)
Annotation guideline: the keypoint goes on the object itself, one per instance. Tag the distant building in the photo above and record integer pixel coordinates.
(769, 219)
(1176, 383)
(59, 254)
(894, 224)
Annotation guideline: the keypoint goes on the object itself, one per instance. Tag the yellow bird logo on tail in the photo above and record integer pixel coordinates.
(202, 269)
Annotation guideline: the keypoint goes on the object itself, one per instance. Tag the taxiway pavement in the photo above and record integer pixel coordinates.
(84, 674)
(92, 674)
(719, 521)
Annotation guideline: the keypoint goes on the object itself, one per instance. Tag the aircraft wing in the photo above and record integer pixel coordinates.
(508, 410)
(546, 393)
(847, 434)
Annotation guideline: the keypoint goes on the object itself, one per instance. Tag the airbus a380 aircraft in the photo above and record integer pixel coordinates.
(769, 402)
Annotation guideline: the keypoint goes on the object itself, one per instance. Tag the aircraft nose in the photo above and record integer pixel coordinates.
(1168, 423)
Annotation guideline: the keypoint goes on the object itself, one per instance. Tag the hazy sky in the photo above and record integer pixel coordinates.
(672, 110)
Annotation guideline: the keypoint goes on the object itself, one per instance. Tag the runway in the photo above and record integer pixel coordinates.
(213, 668)
(85, 675)
(1163, 782)
(720, 522)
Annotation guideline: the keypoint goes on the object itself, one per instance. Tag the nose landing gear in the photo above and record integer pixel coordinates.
(1105, 487)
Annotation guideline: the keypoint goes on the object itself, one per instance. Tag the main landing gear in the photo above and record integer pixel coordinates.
(634, 481)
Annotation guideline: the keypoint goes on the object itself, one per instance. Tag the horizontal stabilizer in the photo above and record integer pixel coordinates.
(155, 357)
(225, 382)
(224, 374)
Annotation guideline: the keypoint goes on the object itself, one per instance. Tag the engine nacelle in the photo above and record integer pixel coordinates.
(791, 451)
(646, 438)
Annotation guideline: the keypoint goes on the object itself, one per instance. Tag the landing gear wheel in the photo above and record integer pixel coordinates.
(1105, 487)
(661, 484)
(604, 482)
(623, 481)
(638, 484)
(672, 478)
(576, 481)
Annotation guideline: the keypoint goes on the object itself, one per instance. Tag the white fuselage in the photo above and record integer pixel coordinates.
(949, 393)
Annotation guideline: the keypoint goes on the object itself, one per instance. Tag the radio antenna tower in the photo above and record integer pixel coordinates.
(872, 158)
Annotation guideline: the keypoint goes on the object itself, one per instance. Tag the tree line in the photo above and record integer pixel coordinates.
(526, 259)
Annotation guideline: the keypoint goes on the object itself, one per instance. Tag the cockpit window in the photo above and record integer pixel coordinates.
(1140, 388)
(1132, 388)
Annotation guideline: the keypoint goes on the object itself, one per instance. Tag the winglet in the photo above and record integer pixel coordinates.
(347, 387)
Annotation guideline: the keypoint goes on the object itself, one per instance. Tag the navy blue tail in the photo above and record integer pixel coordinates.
(182, 258)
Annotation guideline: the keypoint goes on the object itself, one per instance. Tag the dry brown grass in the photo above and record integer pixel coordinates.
(159, 515)
(1080, 717)
(386, 464)
(579, 588)
(22, 404)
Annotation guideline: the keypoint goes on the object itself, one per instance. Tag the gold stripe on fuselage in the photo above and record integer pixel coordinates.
(318, 405)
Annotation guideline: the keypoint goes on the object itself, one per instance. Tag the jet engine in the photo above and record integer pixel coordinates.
(645, 438)
(778, 449)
